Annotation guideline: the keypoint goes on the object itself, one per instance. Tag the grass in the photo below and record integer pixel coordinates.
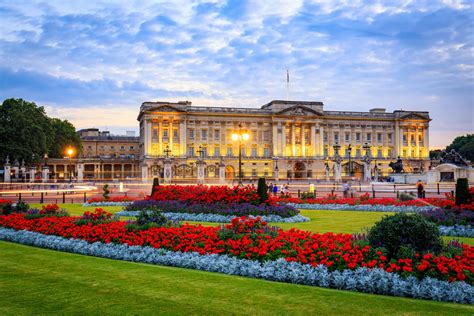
(321, 221)
(40, 281)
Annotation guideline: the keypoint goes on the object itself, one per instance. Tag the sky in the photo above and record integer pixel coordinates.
(95, 62)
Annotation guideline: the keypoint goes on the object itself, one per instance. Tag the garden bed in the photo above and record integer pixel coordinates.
(366, 280)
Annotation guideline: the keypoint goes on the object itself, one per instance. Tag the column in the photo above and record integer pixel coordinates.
(160, 138)
(123, 172)
(409, 140)
(313, 140)
(426, 141)
(182, 138)
(170, 133)
(400, 141)
(283, 140)
(293, 147)
(112, 170)
(417, 143)
(396, 147)
(147, 137)
(275, 139)
(321, 141)
(303, 141)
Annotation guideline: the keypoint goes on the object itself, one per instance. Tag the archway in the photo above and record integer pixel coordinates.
(299, 170)
(357, 169)
(229, 172)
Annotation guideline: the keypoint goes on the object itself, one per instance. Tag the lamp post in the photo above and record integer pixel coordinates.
(70, 152)
(239, 137)
(349, 149)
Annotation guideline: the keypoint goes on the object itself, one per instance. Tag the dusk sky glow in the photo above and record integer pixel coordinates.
(94, 63)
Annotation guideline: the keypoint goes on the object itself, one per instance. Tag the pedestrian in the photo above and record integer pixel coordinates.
(270, 188)
(275, 190)
(345, 189)
(420, 189)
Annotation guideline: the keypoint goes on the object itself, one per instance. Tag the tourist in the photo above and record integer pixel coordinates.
(345, 189)
(275, 189)
(270, 188)
(420, 188)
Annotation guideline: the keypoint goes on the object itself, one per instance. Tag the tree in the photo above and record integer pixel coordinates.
(64, 135)
(464, 145)
(25, 131)
(262, 190)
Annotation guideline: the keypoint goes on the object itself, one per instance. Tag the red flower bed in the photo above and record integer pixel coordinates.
(253, 239)
(205, 194)
(111, 199)
(366, 200)
(5, 201)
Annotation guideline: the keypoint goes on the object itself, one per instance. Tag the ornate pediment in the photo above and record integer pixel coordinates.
(165, 108)
(299, 110)
(414, 116)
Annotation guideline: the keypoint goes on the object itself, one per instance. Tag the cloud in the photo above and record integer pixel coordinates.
(353, 55)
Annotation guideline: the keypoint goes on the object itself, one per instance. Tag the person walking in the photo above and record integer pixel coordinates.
(420, 188)
(275, 189)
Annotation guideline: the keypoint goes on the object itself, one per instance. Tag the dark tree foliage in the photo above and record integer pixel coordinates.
(155, 184)
(462, 191)
(27, 133)
(262, 190)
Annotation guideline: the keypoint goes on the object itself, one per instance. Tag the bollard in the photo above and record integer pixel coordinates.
(64, 197)
(373, 194)
(299, 193)
(360, 187)
(398, 194)
(72, 201)
(19, 197)
(42, 198)
(438, 187)
(85, 197)
(394, 188)
(352, 194)
(314, 193)
(56, 201)
(424, 194)
(332, 192)
(334, 186)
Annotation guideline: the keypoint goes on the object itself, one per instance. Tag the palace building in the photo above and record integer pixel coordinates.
(287, 139)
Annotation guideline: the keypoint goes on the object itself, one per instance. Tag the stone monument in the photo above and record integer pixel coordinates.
(7, 170)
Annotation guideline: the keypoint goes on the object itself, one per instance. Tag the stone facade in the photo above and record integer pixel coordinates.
(296, 138)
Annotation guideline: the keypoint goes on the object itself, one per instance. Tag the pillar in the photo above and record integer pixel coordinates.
(160, 138)
(147, 139)
(167, 172)
(32, 174)
(275, 139)
(321, 141)
(426, 141)
(396, 147)
(8, 172)
(80, 171)
(182, 138)
(112, 171)
(417, 143)
(170, 134)
(313, 141)
(283, 140)
(144, 173)
(45, 177)
(221, 172)
(293, 147)
(122, 175)
(303, 141)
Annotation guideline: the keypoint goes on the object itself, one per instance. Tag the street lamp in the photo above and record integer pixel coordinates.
(239, 137)
(349, 150)
(70, 152)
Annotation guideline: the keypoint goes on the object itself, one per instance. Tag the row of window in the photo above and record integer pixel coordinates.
(112, 147)
(358, 137)
(230, 152)
(358, 153)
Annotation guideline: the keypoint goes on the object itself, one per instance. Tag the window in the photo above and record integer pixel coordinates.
(112, 147)
(347, 137)
(165, 133)
(358, 152)
(254, 152)
(254, 136)
(217, 151)
(358, 137)
(379, 137)
(307, 137)
(326, 152)
(191, 151)
(89, 147)
(369, 137)
(131, 147)
(379, 153)
(389, 136)
(325, 137)
(242, 150)
(122, 147)
(389, 153)
(204, 134)
(217, 135)
(204, 152)
(175, 133)
(266, 136)
(254, 172)
(336, 137)
(405, 138)
(229, 152)
(191, 133)
(266, 152)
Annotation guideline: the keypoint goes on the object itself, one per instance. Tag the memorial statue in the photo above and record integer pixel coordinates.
(397, 166)
(327, 171)
(337, 169)
(453, 157)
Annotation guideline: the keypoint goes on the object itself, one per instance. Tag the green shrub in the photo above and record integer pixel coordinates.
(154, 185)
(262, 190)
(406, 197)
(154, 216)
(106, 192)
(7, 209)
(404, 234)
(21, 207)
(462, 191)
(307, 195)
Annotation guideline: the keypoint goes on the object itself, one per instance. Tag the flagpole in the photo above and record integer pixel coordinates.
(287, 84)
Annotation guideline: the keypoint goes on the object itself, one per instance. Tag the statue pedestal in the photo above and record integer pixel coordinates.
(8, 172)
(167, 173)
(45, 172)
(80, 171)
(32, 174)
(222, 172)
(200, 171)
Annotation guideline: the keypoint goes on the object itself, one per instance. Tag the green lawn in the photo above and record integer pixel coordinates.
(39, 281)
(321, 221)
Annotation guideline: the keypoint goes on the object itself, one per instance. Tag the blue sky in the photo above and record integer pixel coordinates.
(95, 62)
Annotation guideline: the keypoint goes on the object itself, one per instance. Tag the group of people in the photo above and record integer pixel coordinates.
(283, 189)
